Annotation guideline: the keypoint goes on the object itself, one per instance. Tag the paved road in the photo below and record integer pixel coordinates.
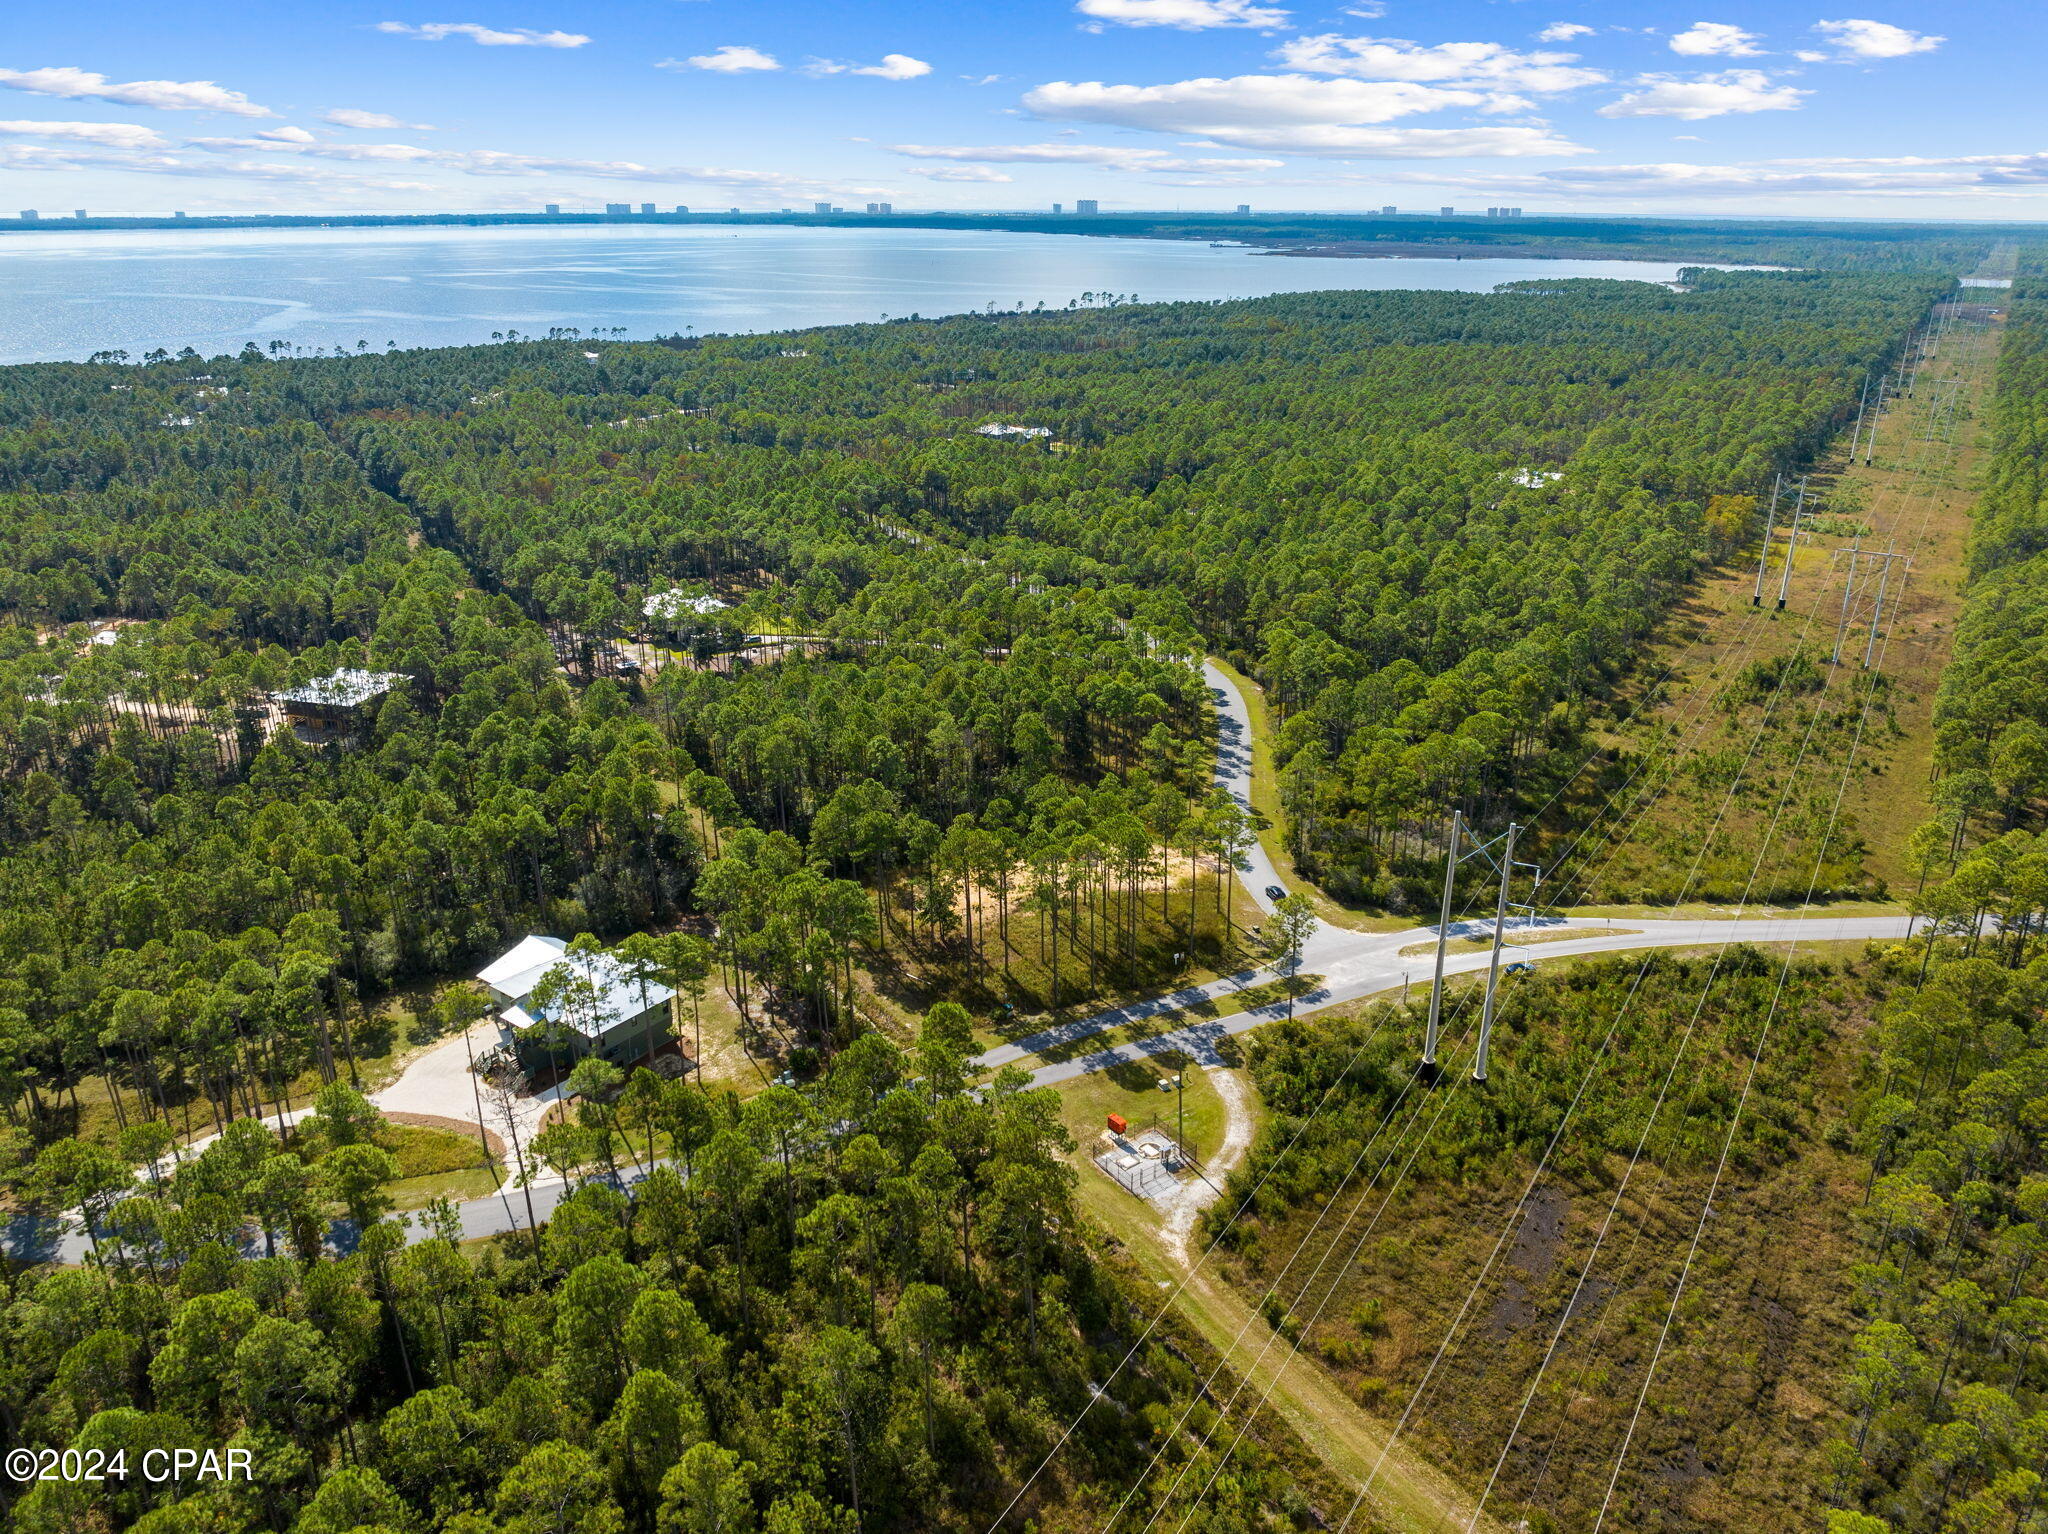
(1358, 964)
(1352, 965)
(1234, 775)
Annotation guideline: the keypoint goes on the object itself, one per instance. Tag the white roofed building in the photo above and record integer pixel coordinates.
(336, 704)
(594, 1003)
(674, 605)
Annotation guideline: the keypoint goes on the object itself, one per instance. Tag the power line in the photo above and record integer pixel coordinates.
(1906, 495)
(1521, 1204)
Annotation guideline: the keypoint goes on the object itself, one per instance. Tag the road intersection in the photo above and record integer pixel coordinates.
(1350, 965)
(1353, 965)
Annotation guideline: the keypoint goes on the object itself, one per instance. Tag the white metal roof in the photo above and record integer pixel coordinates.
(673, 604)
(344, 689)
(619, 996)
(531, 950)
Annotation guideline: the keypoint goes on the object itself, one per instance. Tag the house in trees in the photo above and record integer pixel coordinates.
(999, 429)
(590, 1000)
(676, 605)
(334, 706)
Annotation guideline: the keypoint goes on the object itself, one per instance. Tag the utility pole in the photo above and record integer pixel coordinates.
(1500, 922)
(1883, 580)
(1443, 938)
(1862, 405)
(1848, 595)
(1180, 1124)
(1877, 415)
(1792, 547)
(1763, 558)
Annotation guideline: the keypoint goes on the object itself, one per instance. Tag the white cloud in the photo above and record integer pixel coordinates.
(300, 178)
(113, 135)
(959, 173)
(288, 135)
(894, 66)
(487, 37)
(1705, 38)
(272, 143)
(1341, 143)
(1076, 154)
(1188, 15)
(1294, 114)
(732, 59)
(1808, 56)
(1733, 90)
(1024, 154)
(352, 117)
(164, 95)
(1366, 10)
(1563, 32)
(1992, 175)
(295, 168)
(1876, 39)
(1393, 58)
(1213, 106)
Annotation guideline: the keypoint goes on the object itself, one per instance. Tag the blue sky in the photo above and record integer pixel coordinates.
(1858, 108)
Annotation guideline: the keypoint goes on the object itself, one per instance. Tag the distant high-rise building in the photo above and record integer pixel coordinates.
(1086, 205)
(1389, 208)
(1511, 212)
(646, 208)
(179, 214)
(1058, 208)
(682, 207)
(821, 207)
(553, 209)
(616, 208)
(78, 213)
(874, 207)
(1243, 208)
(29, 215)
(1446, 212)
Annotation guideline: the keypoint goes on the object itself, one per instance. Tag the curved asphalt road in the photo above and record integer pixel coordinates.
(1352, 965)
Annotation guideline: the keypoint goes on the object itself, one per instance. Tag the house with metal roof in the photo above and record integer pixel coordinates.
(592, 1002)
(337, 704)
(675, 604)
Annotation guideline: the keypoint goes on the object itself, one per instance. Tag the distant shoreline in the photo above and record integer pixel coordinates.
(1344, 236)
(1397, 250)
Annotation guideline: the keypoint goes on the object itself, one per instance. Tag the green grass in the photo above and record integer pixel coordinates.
(423, 1152)
(418, 1192)
(1132, 1090)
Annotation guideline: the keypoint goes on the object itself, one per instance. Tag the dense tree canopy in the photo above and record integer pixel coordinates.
(903, 684)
